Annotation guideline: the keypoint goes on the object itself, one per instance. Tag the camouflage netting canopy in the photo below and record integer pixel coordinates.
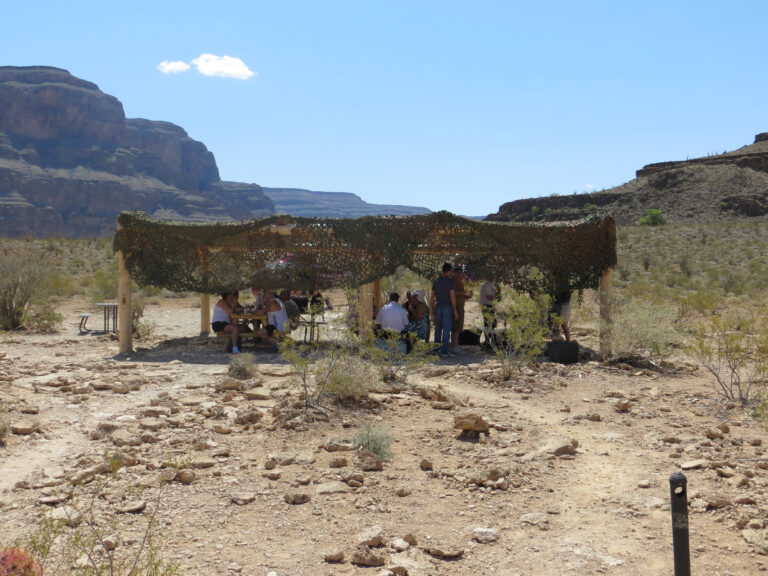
(319, 253)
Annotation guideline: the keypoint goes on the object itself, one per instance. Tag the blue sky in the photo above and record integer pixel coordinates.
(457, 106)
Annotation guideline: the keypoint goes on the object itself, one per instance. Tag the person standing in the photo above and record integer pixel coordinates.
(459, 278)
(487, 301)
(443, 305)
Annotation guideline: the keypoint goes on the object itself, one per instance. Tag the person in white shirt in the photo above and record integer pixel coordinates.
(392, 316)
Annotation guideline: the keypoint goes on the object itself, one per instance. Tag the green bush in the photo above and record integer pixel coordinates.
(347, 380)
(521, 329)
(392, 363)
(375, 440)
(43, 319)
(653, 217)
(20, 279)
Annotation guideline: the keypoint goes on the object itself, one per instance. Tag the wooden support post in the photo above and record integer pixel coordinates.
(365, 314)
(124, 312)
(606, 281)
(205, 314)
(377, 297)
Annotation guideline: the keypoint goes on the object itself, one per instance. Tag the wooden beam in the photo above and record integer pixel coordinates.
(124, 312)
(205, 314)
(377, 296)
(606, 282)
(365, 313)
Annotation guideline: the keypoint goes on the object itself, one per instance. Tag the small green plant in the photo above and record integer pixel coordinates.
(520, 329)
(534, 210)
(242, 366)
(20, 280)
(319, 372)
(390, 357)
(43, 319)
(375, 440)
(591, 207)
(653, 217)
(347, 380)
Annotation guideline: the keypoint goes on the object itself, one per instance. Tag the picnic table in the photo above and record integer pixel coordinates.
(110, 313)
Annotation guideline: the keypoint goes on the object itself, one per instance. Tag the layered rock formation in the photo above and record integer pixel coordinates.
(729, 185)
(298, 202)
(70, 161)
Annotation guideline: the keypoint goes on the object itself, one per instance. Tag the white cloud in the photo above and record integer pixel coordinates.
(589, 188)
(222, 66)
(176, 67)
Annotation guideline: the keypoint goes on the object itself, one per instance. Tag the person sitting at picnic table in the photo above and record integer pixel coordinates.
(291, 308)
(418, 314)
(391, 317)
(221, 320)
(277, 319)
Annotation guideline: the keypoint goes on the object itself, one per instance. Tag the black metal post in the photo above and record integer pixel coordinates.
(679, 496)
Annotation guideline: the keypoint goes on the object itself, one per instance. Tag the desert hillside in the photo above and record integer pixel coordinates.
(728, 186)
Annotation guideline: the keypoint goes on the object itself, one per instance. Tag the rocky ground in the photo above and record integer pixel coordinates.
(572, 476)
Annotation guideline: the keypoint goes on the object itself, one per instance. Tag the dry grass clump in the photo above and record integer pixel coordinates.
(373, 439)
(242, 367)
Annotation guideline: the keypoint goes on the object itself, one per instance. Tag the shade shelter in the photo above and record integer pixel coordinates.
(321, 253)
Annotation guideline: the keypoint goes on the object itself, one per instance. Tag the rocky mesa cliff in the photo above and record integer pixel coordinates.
(70, 161)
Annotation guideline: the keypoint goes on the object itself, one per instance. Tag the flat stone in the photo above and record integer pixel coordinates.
(132, 507)
(332, 487)
(694, 464)
(242, 498)
(24, 427)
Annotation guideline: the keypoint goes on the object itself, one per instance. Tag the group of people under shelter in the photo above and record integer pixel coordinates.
(446, 308)
(409, 322)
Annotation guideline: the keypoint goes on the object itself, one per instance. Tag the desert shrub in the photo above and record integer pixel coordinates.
(43, 319)
(20, 280)
(733, 348)
(242, 366)
(18, 562)
(375, 440)
(642, 330)
(653, 217)
(347, 380)
(391, 361)
(521, 329)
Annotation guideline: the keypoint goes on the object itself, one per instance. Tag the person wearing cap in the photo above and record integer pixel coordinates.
(418, 314)
(443, 305)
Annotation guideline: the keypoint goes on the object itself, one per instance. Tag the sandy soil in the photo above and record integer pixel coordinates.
(443, 504)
